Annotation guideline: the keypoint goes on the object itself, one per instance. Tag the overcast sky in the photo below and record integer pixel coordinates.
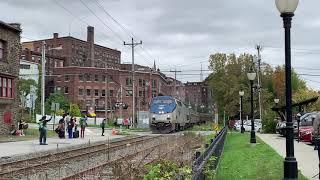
(178, 34)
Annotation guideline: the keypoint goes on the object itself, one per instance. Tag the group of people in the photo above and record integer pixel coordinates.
(67, 124)
(20, 131)
(70, 124)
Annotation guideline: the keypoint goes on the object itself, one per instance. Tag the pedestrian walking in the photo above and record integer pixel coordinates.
(43, 130)
(103, 125)
(83, 124)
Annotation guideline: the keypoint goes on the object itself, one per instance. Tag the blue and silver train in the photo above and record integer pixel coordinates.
(168, 114)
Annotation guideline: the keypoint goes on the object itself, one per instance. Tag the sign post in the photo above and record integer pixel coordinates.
(54, 108)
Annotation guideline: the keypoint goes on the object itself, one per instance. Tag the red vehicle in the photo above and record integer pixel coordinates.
(305, 133)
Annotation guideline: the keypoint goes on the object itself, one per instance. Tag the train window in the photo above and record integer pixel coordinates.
(179, 103)
(167, 101)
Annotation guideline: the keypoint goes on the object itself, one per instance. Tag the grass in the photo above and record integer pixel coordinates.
(30, 134)
(241, 160)
(202, 127)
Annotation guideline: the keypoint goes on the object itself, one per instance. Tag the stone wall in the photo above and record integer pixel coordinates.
(9, 67)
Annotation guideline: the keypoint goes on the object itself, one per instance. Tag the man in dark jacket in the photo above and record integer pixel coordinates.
(43, 130)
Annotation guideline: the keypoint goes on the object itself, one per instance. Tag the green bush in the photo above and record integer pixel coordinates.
(166, 170)
(269, 123)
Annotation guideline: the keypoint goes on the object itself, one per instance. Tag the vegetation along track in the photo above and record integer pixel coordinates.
(132, 165)
(25, 167)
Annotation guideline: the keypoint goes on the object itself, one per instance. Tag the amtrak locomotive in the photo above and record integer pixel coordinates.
(168, 114)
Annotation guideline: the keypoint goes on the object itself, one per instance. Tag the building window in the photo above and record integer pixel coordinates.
(140, 82)
(96, 77)
(88, 77)
(58, 88)
(129, 93)
(140, 93)
(111, 93)
(88, 92)
(66, 90)
(103, 78)
(59, 78)
(103, 93)
(66, 78)
(2, 49)
(6, 85)
(154, 93)
(80, 77)
(154, 83)
(80, 92)
(96, 92)
(128, 81)
(144, 82)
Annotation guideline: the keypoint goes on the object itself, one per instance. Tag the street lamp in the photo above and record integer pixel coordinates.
(241, 93)
(251, 76)
(276, 101)
(287, 8)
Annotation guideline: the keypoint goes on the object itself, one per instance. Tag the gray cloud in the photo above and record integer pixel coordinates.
(179, 34)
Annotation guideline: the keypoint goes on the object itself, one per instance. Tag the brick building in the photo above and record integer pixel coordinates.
(198, 94)
(90, 87)
(31, 58)
(79, 52)
(9, 70)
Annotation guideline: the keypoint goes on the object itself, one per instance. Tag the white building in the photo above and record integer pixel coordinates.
(29, 70)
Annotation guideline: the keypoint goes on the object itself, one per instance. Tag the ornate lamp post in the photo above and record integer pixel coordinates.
(287, 8)
(241, 93)
(251, 76)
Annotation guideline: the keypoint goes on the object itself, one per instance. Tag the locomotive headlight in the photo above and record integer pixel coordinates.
(153, 116)
(168, 116)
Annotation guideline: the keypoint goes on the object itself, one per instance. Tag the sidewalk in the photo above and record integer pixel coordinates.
(32, 146)
(305, 154)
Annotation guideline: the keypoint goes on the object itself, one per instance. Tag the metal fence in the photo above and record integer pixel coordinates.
(215, 149)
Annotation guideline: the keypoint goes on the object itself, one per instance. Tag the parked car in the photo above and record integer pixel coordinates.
(306, 126)
(247, 126)
(280, 128)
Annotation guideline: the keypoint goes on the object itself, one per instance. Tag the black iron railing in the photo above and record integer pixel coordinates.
(215, 149)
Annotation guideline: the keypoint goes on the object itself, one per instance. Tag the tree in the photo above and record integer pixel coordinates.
(75, 110)
(57, 98)
(24, 86)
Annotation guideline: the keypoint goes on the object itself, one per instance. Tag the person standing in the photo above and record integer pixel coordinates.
(70, 125)
(83, 124)
(43, 130)
(61, 127)
(103, 125)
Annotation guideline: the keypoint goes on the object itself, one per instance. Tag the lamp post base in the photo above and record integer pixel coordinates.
(290, 168)
(253, 137)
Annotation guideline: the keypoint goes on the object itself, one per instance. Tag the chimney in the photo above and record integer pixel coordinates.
(90, 34)
(55, 35)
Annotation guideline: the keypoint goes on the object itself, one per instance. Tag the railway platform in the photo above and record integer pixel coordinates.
(12, 149)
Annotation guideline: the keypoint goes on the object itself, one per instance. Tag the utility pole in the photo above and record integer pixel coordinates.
(132, 44)
(201, 75)
(258, 47)
(106, 93)
(43, 69)
(175, 80)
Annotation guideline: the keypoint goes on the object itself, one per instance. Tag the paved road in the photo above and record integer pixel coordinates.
(305, 154)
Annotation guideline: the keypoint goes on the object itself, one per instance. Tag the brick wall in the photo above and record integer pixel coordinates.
(9, 67)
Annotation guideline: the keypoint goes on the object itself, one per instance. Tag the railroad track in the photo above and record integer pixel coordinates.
(30, 165)
(150, 151)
